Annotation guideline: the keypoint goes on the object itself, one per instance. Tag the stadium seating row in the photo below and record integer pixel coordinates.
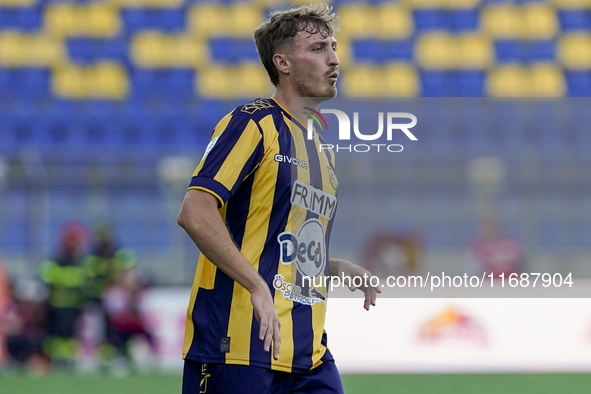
(111, 81)
(532, 20)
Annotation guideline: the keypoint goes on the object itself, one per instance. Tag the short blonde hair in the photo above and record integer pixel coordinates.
(278, 32)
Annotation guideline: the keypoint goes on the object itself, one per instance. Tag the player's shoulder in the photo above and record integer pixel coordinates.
(257, 109)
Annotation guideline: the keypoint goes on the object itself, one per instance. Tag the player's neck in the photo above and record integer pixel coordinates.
(295, 105)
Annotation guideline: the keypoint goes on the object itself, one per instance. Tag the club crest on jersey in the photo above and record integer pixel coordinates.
(307, 248)
(333, 178)
(251, 108)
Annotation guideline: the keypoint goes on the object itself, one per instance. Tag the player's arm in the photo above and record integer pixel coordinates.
(200, 218)
(340, 267)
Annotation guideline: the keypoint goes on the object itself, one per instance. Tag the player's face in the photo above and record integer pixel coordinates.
(315, 65)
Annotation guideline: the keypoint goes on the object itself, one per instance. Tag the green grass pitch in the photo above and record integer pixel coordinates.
(354, 384)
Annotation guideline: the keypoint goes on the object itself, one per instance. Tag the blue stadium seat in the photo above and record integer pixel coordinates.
(146, 82)
(167, 83)
(140, 234)
(397, 50)
(26, 83)
(181, 83)
(13, 234)
(28, 124)
(90, 50)
(14, 203)
(577, 19)
(463, 20)
(366, 50)
(430, 19)
(66, 125)
(226, 50)
(555, 234)
(27, 19)
(7, 128)
(437, 83)
(98, 124)
(509, 51)
(541, 51)
(471, 83)
(578, 83)
(382, 51)
(170, 20)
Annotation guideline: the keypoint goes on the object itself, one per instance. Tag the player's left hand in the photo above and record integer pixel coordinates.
(348, 269)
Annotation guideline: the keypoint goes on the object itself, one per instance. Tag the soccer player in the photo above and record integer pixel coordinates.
(260, 207)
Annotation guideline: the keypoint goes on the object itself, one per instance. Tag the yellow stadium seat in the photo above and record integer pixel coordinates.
(502, 21)
(268, 3)
(45, 51)
(17, 3)
(187, 51)
(103, 80)
(401, 80)
(69, 82)
(11, 49)
(357, 21)
(252, 81)
(215, 82)
(94, 20)
(148, 49)
(18, 50)
(541, 22)
(453, 4)
(547, 80)
(437, 51)
(475, 51)
(62, 19)
(102, 21)
(152, 49)
(107, 81)
(364, 81)
(146, 3)
(426, 3)
(208, 20)
(572, 3)
(509, 81)
(574, 50)
(393, 21)
(461, 4)
(243, 19)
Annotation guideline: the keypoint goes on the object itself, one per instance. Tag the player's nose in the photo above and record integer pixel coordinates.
(333, 58)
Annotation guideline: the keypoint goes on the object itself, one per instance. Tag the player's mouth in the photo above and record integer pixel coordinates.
(334, 76)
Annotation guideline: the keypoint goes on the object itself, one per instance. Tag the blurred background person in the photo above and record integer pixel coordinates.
(389, 254)
(4, 301)
(493, 251)
(104, 265)
(24, 324)
(126, 322)
(65, 277)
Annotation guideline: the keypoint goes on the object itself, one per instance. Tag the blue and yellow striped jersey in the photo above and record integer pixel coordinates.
(278, 196)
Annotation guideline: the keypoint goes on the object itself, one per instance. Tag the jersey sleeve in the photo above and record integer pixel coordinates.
(235, 150)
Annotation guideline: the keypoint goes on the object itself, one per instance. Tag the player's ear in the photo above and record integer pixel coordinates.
(282, 63)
